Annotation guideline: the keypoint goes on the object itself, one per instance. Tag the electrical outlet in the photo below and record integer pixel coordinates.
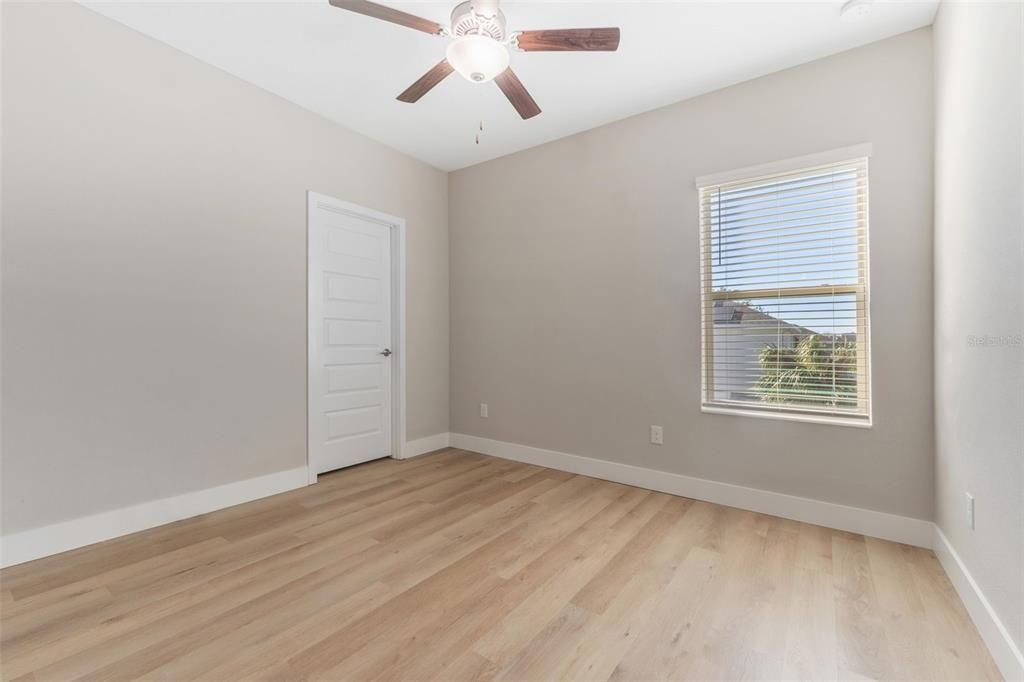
(657, 437)
(483, 410)
(970, 510)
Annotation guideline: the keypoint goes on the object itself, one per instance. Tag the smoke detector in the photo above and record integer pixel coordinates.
(854, 10)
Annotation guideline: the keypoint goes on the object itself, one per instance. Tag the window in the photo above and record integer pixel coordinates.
(784, 290)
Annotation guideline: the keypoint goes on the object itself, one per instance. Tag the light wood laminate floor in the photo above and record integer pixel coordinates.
(457, 566)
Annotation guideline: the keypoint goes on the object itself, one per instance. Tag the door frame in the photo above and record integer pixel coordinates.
(396, 228)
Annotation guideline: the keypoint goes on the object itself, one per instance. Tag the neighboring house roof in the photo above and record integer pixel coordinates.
(737, 312)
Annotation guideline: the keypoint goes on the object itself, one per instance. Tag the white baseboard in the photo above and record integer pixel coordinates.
(1005, 652)
(60, 537)
(67, 535)
(877, 524)
(422, 446)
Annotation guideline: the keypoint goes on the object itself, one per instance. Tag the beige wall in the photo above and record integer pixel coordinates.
(154, 265)
(979, 292)
(574, 284)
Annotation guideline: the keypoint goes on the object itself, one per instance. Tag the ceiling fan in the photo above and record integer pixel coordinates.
(479, 47)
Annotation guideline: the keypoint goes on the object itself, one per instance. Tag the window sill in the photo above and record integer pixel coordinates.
(830, 420)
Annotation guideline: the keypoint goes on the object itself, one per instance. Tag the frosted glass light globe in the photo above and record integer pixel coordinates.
(478, 58)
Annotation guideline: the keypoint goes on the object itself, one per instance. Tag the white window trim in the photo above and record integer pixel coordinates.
(786, 165)
(752, 173)
(830, 420)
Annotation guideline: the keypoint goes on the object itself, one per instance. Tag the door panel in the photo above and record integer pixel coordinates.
(350, 325)
(346, 378)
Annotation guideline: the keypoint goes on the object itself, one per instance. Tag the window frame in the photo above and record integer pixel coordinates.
(862, 290)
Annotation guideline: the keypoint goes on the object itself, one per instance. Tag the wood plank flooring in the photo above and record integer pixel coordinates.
(458, 566)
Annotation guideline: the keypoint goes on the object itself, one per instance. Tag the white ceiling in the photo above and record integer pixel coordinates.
(350, 68)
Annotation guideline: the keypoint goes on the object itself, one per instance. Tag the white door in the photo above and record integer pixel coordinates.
(350, 346)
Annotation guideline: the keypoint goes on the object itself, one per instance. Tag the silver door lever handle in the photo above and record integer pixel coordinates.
(386, 352)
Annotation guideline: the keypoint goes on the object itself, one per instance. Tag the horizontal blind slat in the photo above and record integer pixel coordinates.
(831, 197)
(786, 219)
(787, 264)
(798, 239)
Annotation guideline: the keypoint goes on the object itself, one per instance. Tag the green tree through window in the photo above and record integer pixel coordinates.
(820, 370)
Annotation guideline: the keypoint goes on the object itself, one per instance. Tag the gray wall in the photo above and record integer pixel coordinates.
(979, 292)
(575, 299)
(154, 265)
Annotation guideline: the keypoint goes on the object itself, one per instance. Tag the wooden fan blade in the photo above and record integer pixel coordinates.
(372, 9)
(517, 94)
(570, 40)
(426, 82)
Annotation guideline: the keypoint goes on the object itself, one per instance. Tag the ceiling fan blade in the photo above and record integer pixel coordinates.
(426, 82)
(517, 94)
(372, 9)
(569, 40)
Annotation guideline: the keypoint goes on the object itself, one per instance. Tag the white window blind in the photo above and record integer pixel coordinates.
(784, 284)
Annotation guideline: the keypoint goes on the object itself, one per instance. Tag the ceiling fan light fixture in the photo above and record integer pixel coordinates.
(479, 47)
(478, 58)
